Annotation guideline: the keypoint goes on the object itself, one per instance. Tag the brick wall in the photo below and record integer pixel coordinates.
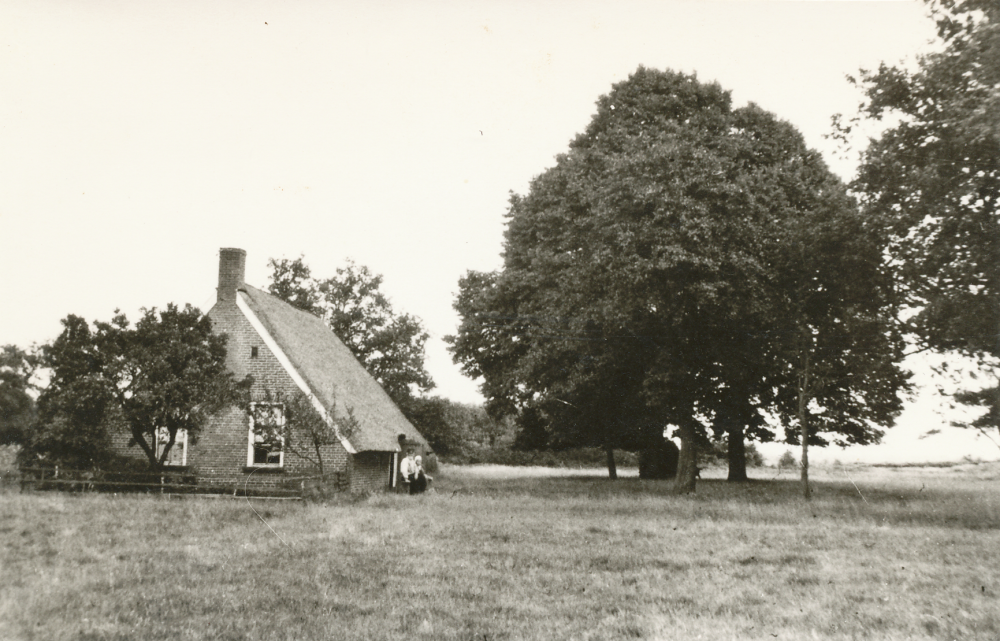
(121, 445)
(370, 472)
(222, 448)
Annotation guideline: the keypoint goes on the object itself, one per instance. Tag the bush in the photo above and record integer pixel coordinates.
(717, 453)
(430, 462)
(659, 459)
(787, 460)
(9, 474)
(583, 457)
(754, 457)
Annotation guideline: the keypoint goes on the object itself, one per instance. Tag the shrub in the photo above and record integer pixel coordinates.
(717, 453)
(659, 460)
(787, 460)
(430, 462)
(583, 457)
(754, 457)
(9, 474)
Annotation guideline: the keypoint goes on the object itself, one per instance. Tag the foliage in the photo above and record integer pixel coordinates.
(430, 463)
(452, 429)
(932, 177)
(292, 282)
(787, 460)
(303, 431)
(478, 427)
(388, 344)
(576, 458)
(71, 439)
(658, 459)
(844, 343)
(718, 453)
(428, 414)
(17, 389)
(166, 373)
(836, 309)
(660, 273)
(988, 399)
(754, 457)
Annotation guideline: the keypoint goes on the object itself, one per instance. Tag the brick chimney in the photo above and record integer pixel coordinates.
(232, 268)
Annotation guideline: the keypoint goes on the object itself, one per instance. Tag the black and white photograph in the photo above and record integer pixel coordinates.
(485, 320)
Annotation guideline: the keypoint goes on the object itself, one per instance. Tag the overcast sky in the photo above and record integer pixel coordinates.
(140, 137)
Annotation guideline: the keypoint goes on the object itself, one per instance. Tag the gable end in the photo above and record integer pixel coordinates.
(286, 364)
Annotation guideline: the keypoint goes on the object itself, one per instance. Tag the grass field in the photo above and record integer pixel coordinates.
(497, 553)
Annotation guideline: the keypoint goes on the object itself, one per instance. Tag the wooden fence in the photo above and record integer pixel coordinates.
(175, 483)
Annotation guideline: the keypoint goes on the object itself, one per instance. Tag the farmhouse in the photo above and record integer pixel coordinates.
(289, 353)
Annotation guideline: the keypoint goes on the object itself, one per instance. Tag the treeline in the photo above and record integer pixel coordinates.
(690, 263)
(685, 264)
(61, 417)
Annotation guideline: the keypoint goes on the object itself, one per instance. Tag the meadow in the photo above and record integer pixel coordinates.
(502, 553)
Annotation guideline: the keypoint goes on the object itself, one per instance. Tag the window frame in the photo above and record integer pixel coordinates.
(252, 436)
(160, 439)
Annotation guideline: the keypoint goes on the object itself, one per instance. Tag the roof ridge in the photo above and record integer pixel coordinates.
(332, 372)
(282, 301)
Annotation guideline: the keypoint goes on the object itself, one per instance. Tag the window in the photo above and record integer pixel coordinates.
(253, 352)
(266, 446)
(177, 456)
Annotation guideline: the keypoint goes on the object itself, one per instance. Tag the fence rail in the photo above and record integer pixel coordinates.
(172, 483)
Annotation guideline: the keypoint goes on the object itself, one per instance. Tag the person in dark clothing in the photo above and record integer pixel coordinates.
(419, 484)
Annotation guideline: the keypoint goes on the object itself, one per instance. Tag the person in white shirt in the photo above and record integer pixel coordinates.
(408, 470)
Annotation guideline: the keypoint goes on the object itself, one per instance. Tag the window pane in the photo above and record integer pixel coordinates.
(176, 454)
(260, 454)
(268, 442)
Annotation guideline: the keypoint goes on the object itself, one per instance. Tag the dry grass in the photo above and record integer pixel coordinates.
(878, 554)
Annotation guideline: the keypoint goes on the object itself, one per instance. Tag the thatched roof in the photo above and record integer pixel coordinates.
(333, 374)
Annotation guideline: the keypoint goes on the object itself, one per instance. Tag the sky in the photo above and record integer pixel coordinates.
(140, 137)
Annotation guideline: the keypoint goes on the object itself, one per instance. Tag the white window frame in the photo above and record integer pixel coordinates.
(251, 437)
(180, 441)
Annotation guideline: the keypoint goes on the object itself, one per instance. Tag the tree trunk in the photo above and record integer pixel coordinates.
(804, 428)
(140, 439)
(687, 464)
(806, 492)
(737, 452)
(612, 468)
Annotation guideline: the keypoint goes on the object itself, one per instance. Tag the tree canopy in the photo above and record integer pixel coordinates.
(389, 344)
(646, 275)
(165, 374)
(933, 177)
(17, 403)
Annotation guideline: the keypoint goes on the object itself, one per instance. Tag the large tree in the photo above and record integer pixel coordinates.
(165, 374)
(17, 390)
(639, 288)
(933, 178)
(389, 344)
(836, 331)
